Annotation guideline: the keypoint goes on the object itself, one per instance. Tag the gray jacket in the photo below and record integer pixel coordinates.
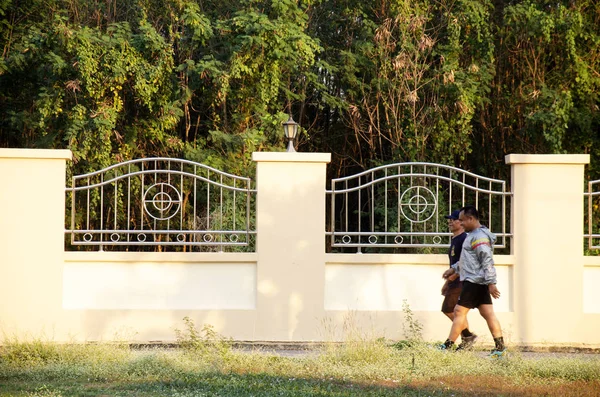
(476, 262)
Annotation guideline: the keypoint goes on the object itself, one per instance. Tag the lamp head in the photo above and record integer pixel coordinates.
(290, 129)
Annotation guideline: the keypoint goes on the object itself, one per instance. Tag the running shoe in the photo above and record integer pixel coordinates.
(467, 342)
(496, 354)
(443, 347)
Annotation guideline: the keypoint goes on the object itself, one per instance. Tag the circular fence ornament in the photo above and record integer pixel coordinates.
(141, 237)
(162, 201)
(346, 239)
(418, 204)
(372, 239)
(115, 237)
(398, 239)
(437, 240)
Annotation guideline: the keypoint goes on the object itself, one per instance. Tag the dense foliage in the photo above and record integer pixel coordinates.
(460, 82)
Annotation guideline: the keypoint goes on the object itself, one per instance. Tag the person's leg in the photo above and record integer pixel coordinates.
(465, 333)
(459, 323)
(461, 309)
(487, 312)
(448, 306)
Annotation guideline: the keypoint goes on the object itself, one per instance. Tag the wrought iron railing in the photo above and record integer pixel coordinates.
(592, 196)
(403, 205)
(161, 202)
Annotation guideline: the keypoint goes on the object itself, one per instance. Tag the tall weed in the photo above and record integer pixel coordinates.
(205, 343)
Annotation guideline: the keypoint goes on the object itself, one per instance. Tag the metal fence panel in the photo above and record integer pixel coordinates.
(592, 197)
(403, 205)
(161, 202)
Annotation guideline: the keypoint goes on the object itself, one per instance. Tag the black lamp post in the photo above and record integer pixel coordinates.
(290, 129)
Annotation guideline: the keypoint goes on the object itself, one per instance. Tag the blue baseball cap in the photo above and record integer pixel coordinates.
(454, 215)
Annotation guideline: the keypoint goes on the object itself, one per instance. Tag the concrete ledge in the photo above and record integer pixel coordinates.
(316, 347)
(165, 257)
(59, 154)
(591, 261)
(409, 259)
(293, 157)
(547, 159)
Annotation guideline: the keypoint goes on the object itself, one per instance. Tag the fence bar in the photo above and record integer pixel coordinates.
(128, 200)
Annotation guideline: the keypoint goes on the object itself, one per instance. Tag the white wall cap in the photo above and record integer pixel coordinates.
(163, 257)
(59, 154)
(547, 159)
(291, 157)
(592, 261)
(404, 259)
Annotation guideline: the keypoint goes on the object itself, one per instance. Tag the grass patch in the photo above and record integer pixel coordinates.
(363, 368)
(206, 364)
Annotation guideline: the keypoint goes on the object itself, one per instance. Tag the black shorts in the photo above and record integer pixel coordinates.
(473, 295)
(450, 300)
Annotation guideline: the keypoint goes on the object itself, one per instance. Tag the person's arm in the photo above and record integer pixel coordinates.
(453, 277)
(453, 271)
(445, 288)
(448, 273)
(483, 250)
(494, 291)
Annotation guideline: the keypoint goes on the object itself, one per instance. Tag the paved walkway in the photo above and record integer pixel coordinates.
(298, 351)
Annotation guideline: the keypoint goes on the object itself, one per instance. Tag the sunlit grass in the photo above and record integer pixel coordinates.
(206, 364)
(213, 368)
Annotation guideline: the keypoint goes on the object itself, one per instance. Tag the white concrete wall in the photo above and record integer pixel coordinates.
(373, 282)
(128, 281)
(32, 200)
(547, 226)
(366, 293)
(290, 227)
(591, 285)
(290, 289)
(143, 296)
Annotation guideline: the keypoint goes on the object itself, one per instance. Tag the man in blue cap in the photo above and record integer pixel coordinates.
(453, 286)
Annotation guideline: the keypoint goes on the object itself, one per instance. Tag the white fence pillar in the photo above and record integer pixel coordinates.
(32, 225)
(290, 245)
(547, 226)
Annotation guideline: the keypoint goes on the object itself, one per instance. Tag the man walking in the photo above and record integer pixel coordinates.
(453, 285)
(478, 274)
